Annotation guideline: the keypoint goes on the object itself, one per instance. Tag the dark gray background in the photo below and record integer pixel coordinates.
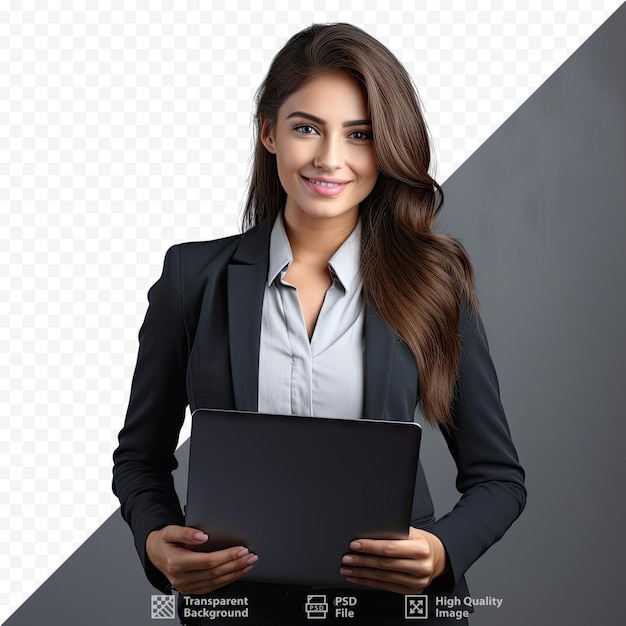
(541, 208)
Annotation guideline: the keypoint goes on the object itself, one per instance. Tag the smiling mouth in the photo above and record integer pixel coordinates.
(326, 183)
(328, 188)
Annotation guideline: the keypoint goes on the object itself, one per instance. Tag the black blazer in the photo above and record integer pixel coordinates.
(199, 346)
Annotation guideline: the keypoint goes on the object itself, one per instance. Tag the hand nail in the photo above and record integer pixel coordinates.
(198, 536)
(253, 559)
(345, 571)
(347, 559)
(355, 545)
(242, 553)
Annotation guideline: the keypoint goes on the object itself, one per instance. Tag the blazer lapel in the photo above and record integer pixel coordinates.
(379, 348)
(247, 275)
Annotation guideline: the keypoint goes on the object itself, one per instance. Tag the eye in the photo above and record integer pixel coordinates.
(361, 135)
(305, 129)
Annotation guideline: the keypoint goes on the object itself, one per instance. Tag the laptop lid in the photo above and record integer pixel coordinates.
(297, 490)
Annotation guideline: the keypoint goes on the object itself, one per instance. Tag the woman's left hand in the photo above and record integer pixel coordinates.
(401, 565)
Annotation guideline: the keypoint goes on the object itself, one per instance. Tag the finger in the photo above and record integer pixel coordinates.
(399, 575)
(206, 586)
(191, 576)
(414, 567)
(207, 580)
(184, 534)
(400, 548)
(390, 580)
(406, 578)
(181, 560)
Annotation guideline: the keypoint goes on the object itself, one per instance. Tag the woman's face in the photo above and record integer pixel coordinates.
(324, 149)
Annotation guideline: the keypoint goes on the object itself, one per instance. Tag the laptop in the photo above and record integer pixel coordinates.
(297, 490)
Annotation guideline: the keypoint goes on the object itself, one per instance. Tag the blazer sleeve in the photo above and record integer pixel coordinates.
(144, 460)
(489, 477)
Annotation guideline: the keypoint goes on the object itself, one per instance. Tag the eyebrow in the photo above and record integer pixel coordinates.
(319, 120)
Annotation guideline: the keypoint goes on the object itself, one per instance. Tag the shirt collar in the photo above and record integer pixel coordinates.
(280, 250)
(344, 264)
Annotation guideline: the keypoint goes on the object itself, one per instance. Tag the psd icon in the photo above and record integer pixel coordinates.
(163, 607)
(416, 607)
(316, 607)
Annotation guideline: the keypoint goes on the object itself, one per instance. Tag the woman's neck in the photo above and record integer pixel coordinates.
(314, 240)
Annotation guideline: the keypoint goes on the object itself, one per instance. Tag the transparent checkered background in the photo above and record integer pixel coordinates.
(125, 128)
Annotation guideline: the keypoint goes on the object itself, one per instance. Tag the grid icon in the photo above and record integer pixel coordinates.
(163, 607)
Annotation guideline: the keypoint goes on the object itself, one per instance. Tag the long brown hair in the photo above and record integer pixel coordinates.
(417, 280)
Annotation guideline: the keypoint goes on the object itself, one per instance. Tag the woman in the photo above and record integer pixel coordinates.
(337, 301)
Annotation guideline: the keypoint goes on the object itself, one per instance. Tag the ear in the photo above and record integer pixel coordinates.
(267, 134)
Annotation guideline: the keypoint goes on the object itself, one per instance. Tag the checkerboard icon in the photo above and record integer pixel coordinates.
(163, 607)
(416, 607)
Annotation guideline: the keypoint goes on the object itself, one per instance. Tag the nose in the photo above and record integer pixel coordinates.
(330, 156)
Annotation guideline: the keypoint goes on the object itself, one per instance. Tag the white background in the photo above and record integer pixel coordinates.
(125, 128)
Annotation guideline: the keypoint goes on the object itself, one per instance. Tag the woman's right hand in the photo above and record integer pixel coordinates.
(195, 572)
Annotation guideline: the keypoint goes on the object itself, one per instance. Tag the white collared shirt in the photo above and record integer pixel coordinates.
(322, 377)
